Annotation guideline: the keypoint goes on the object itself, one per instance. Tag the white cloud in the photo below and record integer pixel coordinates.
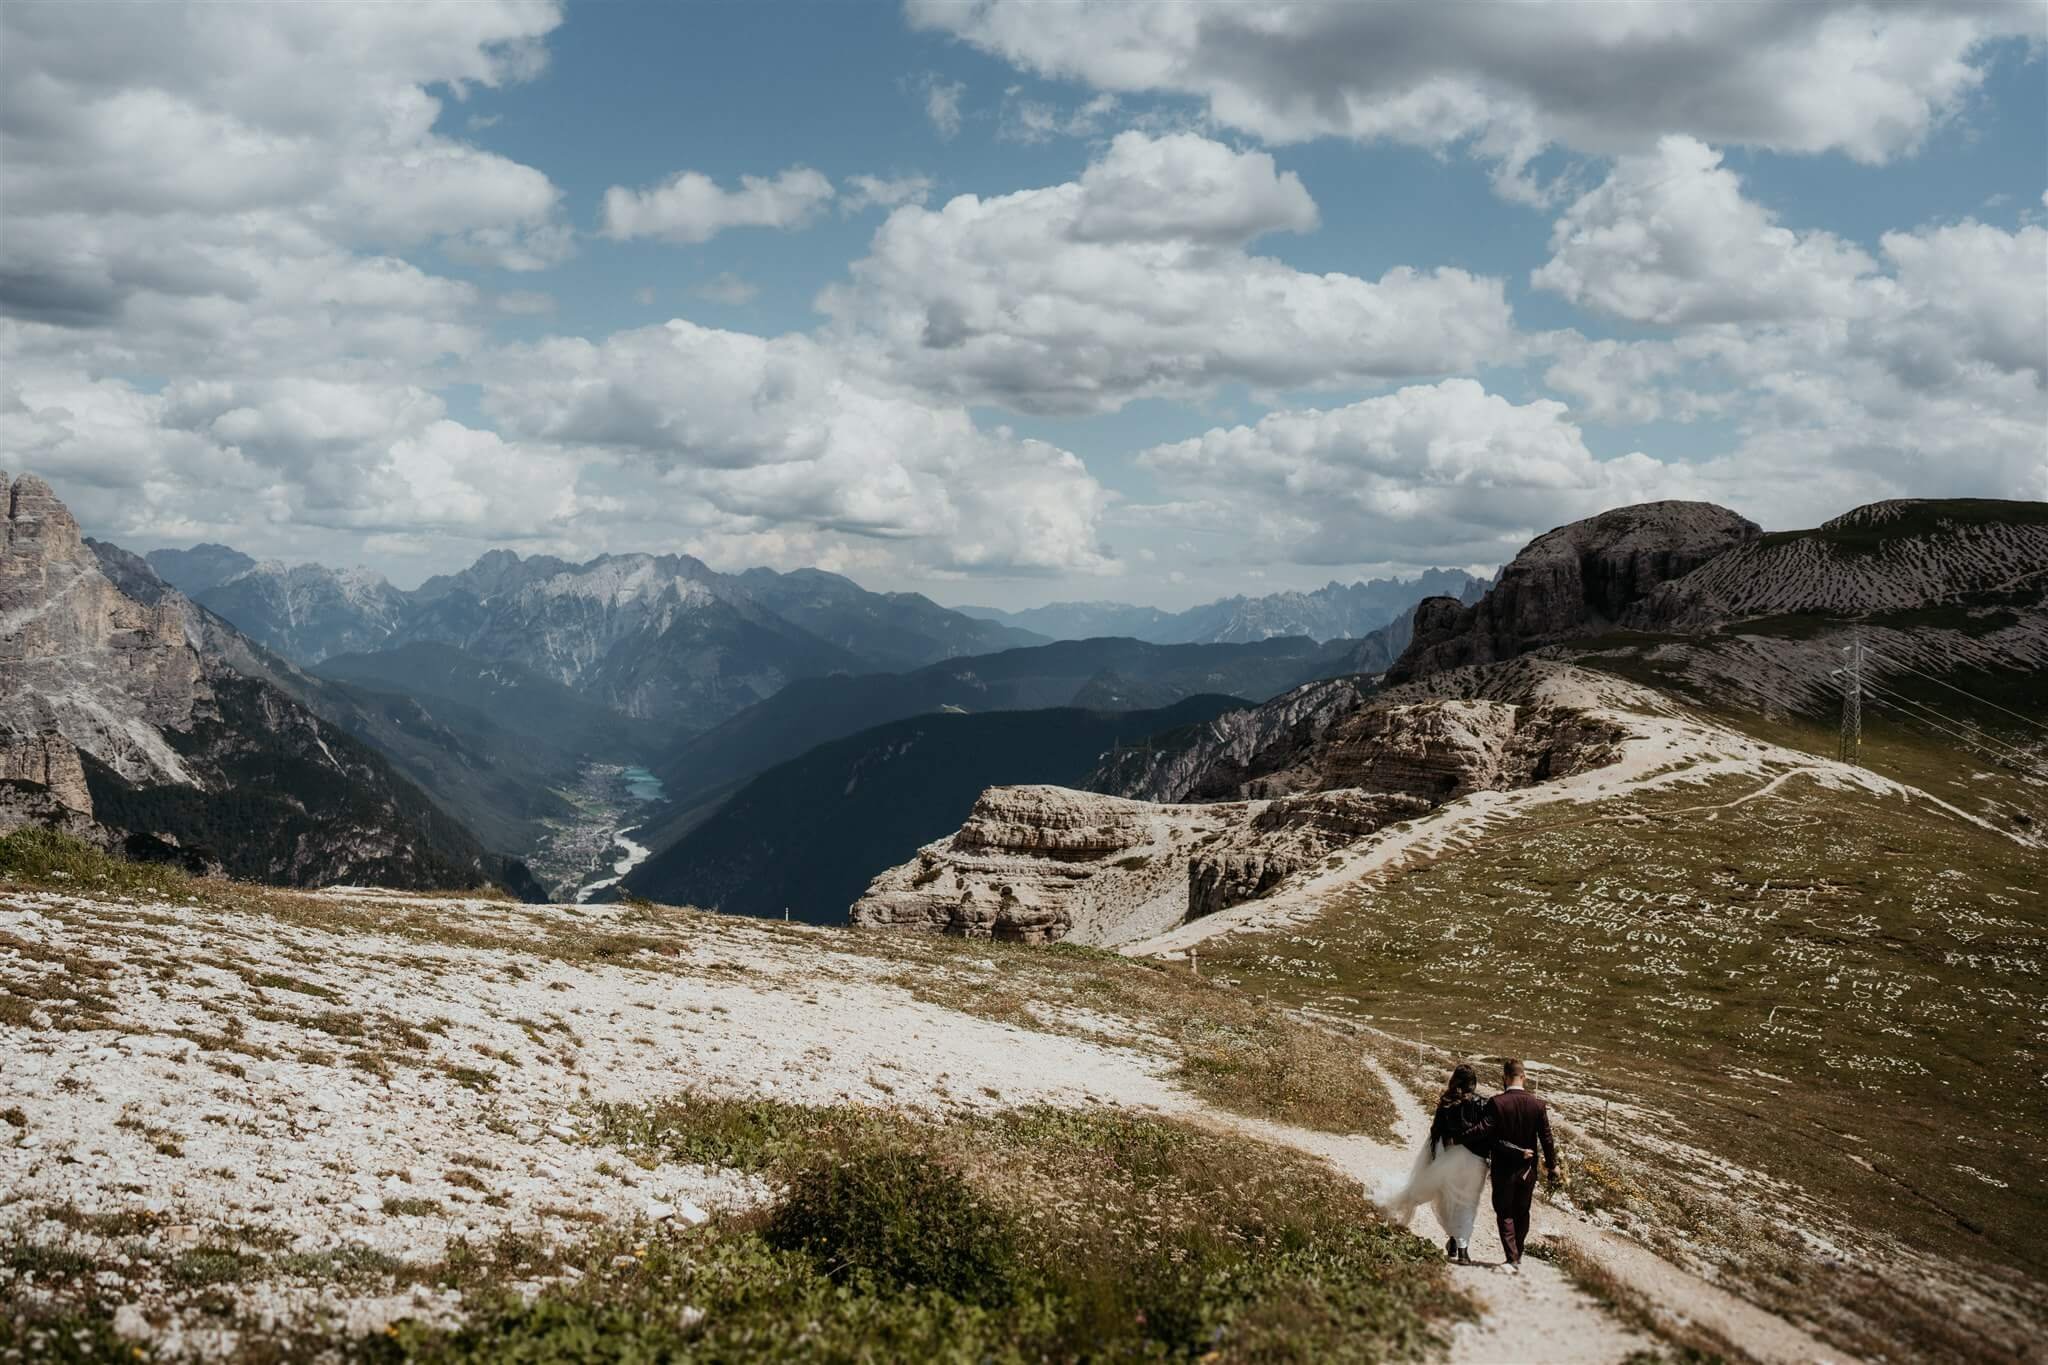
(690, 207)
(941, 102)
(1429, 473)
(773, 430)
(1670, 239)
(1134, 281)
(1599, 76)
(1925, 371)
(873, 191)
(292, 463)
(319, 110)
(726, 288)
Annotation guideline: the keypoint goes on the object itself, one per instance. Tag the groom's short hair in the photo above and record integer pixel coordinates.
(1511, 1069)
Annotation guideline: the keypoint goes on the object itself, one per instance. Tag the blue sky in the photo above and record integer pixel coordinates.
(1235, 306)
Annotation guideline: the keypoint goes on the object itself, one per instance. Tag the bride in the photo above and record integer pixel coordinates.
(1447, 1176)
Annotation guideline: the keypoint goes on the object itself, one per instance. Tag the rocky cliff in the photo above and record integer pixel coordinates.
(1252, 800)
(1574, 581)
(124, 718)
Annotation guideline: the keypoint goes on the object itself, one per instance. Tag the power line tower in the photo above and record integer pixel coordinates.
(1851, 674)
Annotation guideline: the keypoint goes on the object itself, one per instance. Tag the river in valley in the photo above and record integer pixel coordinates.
(593, 849)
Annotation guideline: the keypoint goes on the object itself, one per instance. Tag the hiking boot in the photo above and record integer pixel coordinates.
(1451, 1249)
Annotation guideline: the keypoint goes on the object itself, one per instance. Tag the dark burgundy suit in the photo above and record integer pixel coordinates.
(1516, 1125)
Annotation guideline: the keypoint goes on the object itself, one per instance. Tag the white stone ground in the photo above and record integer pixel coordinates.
(309, 1144)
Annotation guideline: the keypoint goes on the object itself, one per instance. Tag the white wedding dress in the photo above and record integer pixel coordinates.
(1448, 1179)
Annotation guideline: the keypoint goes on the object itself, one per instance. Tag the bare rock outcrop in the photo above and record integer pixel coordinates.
(1574, 581)
(1300, 779)
(1288, 836)
(84, 667)
(1038, 864)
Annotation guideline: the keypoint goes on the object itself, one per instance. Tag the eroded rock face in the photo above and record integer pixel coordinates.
(1575, 581)
(84, 667)
(1302, 778)
(1288, 836)
(1038, 864)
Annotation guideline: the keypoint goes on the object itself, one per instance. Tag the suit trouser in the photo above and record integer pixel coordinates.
(1514, 1189)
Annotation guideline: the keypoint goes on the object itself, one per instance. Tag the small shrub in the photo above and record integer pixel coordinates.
(411, 1206)
(212, 1265)
(902, 1219)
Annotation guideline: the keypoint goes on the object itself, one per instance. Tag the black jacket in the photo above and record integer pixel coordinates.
(1453, 1119)
(1515, 1126)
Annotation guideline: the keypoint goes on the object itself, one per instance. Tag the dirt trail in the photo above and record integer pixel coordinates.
(1536, 1318)
(1540, 1317)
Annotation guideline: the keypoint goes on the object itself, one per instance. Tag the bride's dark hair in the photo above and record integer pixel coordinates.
(1464, 1082)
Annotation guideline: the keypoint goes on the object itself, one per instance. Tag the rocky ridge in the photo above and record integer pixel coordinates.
(1884, 557)
(1256, 798)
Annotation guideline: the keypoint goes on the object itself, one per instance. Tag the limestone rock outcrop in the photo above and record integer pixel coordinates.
(1575, 581)
(1287, 836)
(83, 665)
(1260, 798)
(1038, 864)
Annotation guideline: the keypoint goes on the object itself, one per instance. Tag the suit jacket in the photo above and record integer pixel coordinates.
(1516, 1118)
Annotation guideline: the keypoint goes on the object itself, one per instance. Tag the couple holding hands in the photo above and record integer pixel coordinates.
(1468, 1140)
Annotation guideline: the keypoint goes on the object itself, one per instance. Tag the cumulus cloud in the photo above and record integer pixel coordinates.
(1929, 369)
(1670, 238)
(303, 465)
(773, 428)
(1134, 281)
(202, 191)
(319, 110)
(690, 207)
(1429, 473)
(1593, 75)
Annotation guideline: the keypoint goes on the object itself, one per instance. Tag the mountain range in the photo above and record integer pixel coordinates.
(649, 636)
(1331, 612)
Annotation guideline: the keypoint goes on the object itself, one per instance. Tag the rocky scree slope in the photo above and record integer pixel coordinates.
(124, 718)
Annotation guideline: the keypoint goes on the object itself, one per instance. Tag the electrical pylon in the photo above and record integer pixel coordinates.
(1851, 750)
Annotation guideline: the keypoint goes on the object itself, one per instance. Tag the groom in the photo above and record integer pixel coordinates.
(1516, 1123)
